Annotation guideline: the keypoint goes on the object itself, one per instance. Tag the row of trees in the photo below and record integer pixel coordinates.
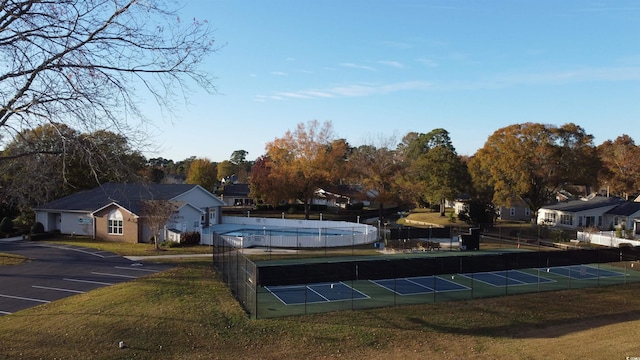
(527, 162)
(54, 160)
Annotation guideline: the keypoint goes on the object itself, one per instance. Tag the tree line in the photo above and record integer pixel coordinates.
(74, 74)
(528, 162)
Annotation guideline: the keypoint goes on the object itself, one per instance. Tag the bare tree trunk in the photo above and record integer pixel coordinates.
(306, 209)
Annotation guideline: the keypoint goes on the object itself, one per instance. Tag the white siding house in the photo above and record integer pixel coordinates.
(578, 214)
(113, 211)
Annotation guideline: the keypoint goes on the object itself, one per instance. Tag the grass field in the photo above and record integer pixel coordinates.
(187, 313)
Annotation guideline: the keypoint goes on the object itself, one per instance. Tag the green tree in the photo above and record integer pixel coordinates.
(434, 167)
(6, 226)
(204, 173)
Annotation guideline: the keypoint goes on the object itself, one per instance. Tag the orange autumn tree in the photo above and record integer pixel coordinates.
(299, 163)
(620, 159)
(533, 161)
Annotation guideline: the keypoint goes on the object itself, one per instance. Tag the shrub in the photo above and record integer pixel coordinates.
(356, 206)
(170, 244)
(6, 226)
(37, 228)
(190, 238)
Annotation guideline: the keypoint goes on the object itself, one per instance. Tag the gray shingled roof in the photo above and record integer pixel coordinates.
(628, 208)
(126, 195)
(237, 190)
(582, 205)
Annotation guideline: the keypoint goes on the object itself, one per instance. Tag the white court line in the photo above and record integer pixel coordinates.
(136, 269)
(88, 281)
(5, 312)
(27, 299)
(58, 289)
(116, 275)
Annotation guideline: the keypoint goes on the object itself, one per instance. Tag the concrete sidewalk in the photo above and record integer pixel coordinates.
(149, 257)
(11, 239)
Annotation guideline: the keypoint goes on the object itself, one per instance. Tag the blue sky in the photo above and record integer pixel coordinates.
(379, 69)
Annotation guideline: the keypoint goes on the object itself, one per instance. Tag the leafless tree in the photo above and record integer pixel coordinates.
(88, 64)
(155, 214)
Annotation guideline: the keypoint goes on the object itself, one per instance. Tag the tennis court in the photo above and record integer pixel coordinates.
(306, 285)
(315, 293)
(507, 278)
(327, 292)
(419, 285)
(583, 272)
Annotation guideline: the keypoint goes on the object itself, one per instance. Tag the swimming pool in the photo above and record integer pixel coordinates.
(284, 233)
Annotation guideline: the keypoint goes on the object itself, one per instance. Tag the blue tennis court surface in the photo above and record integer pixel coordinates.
(507, 278)
(419, 285)
(315, 293)
(582, 272)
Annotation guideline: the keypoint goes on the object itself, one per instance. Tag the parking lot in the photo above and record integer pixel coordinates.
(57, 271)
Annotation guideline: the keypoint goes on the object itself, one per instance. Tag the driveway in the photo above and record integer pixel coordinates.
(58, 271)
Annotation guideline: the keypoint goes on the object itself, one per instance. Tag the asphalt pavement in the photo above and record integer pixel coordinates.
(56, 271)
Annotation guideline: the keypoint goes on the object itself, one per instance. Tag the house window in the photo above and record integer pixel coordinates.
(566, 219)
(550, 217)
(527, 212)
(114, 223)
(196, 224)
(615, 220)
(599, 221)
(589, 221)
(512, 211)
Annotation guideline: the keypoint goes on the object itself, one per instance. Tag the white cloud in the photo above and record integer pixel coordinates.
(278, 73)
(394, 64)
(356, 66)
(496, 81)
(428, 62)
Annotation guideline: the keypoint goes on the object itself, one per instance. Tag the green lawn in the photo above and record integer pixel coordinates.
(127, 249)
(188, 313)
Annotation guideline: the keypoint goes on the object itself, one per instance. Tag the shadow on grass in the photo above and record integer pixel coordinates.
(544, 330)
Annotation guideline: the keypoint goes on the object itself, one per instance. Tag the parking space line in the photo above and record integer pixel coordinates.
(73, 249)
(26, 299)
(88, 281)
(136, 269)
(116, 275)
(58, 289)
(5, 312)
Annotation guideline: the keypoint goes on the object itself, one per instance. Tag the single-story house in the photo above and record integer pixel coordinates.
(576, 214)
(517, 211)
(116, 211)
(625, 216)
(234, 194)
(341, 196)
